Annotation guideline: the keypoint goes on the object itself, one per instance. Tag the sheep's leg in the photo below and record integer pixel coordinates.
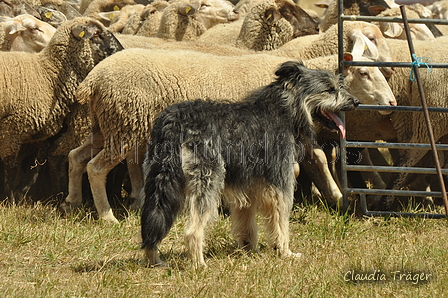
(409, 158)
(134, 162)
(374, 177)
(77, 162)
(97, 170)
(11, 178)
(326, 179)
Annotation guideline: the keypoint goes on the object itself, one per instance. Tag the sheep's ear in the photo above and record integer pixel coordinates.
(186, 10)
(393, 30)
(85, 32)
(14, 27)
(362, 46)
(376, 9)
(347, 57)
(272, 15)
(108, 16)
(148, 12)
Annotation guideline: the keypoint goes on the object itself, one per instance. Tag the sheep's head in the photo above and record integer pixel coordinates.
(50, 14)
(79, 44)
(210, 12)
(301, 22)
(368, 84)
(270, 24)
(26, 33)
(103, 42)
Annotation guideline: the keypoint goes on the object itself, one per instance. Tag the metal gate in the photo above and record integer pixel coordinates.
(362, 192)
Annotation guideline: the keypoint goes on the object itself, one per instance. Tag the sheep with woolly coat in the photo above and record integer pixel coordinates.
(411, 127)
(267, 25)
(270, 24)
(38, 89)
(190, 19)
(161, 78)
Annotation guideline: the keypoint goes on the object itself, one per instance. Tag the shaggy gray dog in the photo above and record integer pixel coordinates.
(243, 152)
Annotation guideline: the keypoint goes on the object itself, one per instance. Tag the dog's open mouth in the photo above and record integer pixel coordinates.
(333, 121)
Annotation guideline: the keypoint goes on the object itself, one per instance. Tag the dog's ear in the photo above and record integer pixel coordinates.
(291, 68)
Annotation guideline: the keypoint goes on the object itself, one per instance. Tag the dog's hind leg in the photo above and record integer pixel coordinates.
(204, 183)
(244, 225)
(275, 207)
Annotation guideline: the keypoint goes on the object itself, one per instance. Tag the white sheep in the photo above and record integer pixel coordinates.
(160, 78)
(188, 20)
(411, 127)
(25, 33)
(39, 87)
(396, 30)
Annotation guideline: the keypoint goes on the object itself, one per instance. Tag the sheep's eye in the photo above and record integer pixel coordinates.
(203, 6)
(34, 29)
(363, 73)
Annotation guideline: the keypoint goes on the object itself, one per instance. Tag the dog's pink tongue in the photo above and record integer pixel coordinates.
(339, 123)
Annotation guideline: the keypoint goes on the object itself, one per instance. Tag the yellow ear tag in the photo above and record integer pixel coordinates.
(365, 47)
(116, 8)
(187, 10)
(269, 16)
(81, 35)
(111, 16)
(48, 15)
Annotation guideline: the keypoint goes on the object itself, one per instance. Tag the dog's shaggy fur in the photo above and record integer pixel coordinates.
(244, 152)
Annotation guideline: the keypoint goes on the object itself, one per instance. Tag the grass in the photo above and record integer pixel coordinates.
(44, 255)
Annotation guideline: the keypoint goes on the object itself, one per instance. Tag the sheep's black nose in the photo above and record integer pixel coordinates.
(355, 101)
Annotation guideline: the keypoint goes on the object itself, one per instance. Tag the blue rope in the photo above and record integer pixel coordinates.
(418, 61)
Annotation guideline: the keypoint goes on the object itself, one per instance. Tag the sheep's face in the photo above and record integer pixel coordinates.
(368, 84)
(28, 34)
(103, 42)
(212, 12)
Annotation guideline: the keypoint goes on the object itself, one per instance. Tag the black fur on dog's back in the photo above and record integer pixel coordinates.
(244, 142)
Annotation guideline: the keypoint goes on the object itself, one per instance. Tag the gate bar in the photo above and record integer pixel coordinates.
(425, 109)
(392, 19)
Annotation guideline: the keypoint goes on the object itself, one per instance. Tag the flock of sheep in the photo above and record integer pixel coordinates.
(82, 82)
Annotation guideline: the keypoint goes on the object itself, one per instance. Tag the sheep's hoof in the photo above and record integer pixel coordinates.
(66, 208)
(135, 206)
(109, 218)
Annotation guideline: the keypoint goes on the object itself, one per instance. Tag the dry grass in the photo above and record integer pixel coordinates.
(43, 255)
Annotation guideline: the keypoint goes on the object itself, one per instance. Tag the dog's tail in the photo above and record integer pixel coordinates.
(164, 186)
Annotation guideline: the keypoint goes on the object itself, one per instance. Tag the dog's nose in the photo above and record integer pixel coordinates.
(355, 101)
